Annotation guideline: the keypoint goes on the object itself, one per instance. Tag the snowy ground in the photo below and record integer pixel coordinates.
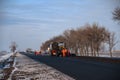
(5, 56)
(4, 59)
(107, 54)
(28, 69)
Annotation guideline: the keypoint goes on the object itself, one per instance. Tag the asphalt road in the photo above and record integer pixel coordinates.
(81, 69)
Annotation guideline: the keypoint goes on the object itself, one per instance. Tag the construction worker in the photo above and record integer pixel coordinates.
(64, 52)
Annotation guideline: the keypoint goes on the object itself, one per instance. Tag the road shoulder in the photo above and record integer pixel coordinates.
(28, 69)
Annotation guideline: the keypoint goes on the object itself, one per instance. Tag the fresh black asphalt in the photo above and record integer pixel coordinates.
(81, 69)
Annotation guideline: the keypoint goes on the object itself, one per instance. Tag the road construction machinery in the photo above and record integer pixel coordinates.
(58, 49)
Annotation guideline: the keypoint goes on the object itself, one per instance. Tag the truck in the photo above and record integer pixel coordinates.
(58, 49)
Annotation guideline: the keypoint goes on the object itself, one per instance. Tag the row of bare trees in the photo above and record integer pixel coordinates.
(86, 41)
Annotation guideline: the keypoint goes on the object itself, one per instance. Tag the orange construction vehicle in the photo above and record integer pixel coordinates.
(58, 49)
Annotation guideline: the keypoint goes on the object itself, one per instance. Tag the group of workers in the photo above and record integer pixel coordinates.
(64, 52)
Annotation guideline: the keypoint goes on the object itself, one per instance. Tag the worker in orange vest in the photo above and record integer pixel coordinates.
(64, 52)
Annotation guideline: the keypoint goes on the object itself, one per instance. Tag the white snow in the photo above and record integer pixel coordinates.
(28, 69)
(2, 59)
(1, 76)
(6, 56)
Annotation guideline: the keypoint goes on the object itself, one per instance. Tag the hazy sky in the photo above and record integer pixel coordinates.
(31, 22)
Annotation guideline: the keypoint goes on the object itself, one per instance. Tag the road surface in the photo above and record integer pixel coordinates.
(81, 69)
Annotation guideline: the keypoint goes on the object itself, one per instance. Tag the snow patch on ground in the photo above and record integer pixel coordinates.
(4, 59)
(6, 56)
(28, 69)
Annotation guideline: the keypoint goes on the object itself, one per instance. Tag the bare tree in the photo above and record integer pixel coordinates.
(13, 46)
(66, 35)
(45, 45)
(116, 14)
(94, 35)
(111, 42)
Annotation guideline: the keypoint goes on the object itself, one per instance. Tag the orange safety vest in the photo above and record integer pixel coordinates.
(64, 52)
